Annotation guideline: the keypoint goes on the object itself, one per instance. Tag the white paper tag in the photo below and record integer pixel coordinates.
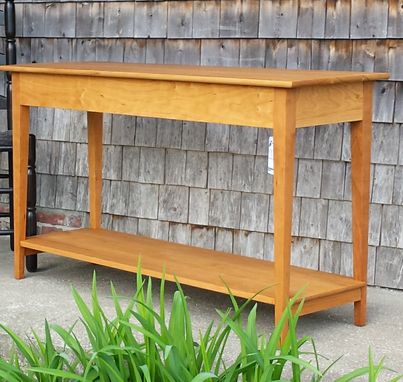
(270, 157)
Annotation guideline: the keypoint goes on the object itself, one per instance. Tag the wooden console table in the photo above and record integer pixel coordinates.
(280, 99)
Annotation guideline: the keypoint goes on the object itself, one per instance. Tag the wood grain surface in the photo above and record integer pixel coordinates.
(193, 266)
(205, 74)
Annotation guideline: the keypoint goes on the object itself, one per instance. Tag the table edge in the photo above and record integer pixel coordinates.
(348, 76)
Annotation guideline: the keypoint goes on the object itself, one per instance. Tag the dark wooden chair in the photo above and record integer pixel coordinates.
(6, 145)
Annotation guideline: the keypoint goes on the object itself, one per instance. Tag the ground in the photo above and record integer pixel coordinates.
(47, 294)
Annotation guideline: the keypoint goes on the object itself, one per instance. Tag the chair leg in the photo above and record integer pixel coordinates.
(11, 199)
(31, 262)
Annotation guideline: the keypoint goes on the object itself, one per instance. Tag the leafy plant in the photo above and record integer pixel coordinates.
(144, 343)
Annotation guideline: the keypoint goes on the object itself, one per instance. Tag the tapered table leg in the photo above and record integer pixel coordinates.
(95, 128)
(284, 131)
(20, 118)
(361, 133)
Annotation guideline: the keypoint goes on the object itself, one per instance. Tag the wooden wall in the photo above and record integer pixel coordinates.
(208, 184)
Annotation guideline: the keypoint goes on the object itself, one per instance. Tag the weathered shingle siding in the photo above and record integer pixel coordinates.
(207, 184)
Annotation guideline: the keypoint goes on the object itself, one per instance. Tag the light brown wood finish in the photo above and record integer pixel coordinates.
(324, 302)
(243, 105)
(199, 267)
(361, 133)
(266, 77)
(284, 132)
(226, 95)
(95, 128)
(319, 105)
(20, 165)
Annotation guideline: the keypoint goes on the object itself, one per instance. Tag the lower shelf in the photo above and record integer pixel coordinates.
(197, 267)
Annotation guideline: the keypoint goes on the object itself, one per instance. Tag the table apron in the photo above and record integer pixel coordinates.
(190, 101)
(321, 105)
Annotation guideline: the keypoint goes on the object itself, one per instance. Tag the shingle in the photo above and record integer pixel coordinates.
(330, 256)
(338, 19)
(153, 228)
(339, 224)
(328, 140)
(398, 186)
(305, 253)
(220, 52)
(375, 219)
(382, 189)
(333, 180)
(112, 162)
(206, 18)
(224, 240)
(125, 224)
(313, 218)
(199, 199)
(180, 19)
(389, 268)
(196, 169)
(152, 162)
(385, 143)
(179, 233)
(369, 20)
(392, 226)
(239, 18)
(346, 263)
(384, 101)
(203, 237)
(173, 203)
(242, 140)
(296, 216)
(117, 202)
(193, 136)
(225, 209)
(123, 130)
(249, 244)
(268, 249)
(119, 19)
(175, 163)
(66, 192)
(278, 19)
(217, 137)
(220, 171)
(304, 147)
(169, 133)
(146, 132)
(150, 19)
(262, 181)
(253, 53)
(242, 173)
(143, 200)
(254, 212)
(131, 163)
(311, 19)
(309, 178)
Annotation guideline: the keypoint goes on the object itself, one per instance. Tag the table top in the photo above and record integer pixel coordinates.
(265, 77)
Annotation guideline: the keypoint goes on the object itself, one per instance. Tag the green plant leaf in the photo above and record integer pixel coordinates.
(58, 373)
(353, 375)
(204, 377)
(22, 346)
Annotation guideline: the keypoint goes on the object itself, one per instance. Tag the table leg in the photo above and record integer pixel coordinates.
(361, 134)
(284, 131)
(95, 133)
(20, 115)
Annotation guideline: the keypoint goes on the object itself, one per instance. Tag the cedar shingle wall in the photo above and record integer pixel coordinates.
(208, 184)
